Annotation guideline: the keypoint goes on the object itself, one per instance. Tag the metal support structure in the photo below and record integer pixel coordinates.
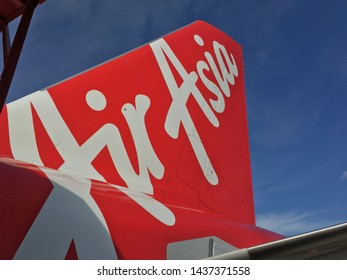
(12, 56)
(6, 43)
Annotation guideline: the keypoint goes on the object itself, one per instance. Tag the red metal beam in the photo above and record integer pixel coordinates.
(6, 44)
(15, 51)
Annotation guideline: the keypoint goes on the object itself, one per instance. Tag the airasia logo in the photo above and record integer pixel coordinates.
(78, 158)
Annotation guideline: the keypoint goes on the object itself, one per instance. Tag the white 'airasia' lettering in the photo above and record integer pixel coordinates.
(78, 158)
(178, 112)
(70, 209)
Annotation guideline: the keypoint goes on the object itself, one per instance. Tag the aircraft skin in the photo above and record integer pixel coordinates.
(127, 159)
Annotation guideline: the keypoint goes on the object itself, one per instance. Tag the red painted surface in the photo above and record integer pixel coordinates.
(200, 208)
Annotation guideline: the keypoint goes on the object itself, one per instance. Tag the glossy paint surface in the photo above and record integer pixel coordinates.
(120, 161)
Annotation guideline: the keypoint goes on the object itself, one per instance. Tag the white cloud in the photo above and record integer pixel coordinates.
(290, 223)
(344, 176)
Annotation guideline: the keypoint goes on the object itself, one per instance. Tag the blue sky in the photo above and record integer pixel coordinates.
(296, 85)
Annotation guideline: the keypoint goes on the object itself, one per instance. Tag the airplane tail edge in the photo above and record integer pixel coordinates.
(167, 119)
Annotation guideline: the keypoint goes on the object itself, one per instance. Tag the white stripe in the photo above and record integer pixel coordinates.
(21, 130)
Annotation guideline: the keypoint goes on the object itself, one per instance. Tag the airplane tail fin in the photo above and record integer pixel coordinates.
(167, 119)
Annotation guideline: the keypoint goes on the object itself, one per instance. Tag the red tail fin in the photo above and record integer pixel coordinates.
(167, 119)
